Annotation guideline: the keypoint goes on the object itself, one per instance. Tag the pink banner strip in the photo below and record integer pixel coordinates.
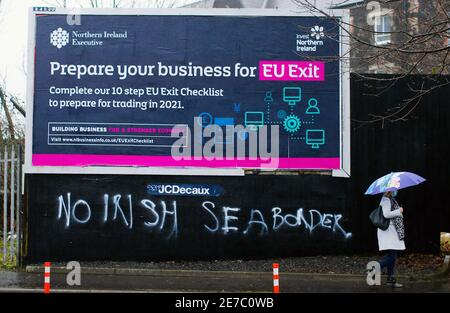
(292, 70)
(159, 161)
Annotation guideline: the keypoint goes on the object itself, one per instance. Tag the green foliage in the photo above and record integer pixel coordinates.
(8, 265)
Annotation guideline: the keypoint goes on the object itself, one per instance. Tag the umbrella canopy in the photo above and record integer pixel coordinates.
(394, 181)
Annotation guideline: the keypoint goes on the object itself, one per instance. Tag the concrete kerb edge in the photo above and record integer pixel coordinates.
(443, 273)
(200, 273)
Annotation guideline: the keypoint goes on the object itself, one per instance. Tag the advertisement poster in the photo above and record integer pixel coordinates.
(187, 91)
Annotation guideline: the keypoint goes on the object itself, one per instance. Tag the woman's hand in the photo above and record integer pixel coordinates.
(401, 210)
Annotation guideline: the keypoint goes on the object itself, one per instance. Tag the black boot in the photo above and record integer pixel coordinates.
(391, 281)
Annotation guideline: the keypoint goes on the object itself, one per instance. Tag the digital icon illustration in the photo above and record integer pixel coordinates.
(292, 95)
(268, 98)
(313, 106)
(291, 123)
(315, 137)
(281, 114)
(254, 119)
(289, 119)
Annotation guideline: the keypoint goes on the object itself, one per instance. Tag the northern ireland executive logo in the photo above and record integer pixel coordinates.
(59, 38)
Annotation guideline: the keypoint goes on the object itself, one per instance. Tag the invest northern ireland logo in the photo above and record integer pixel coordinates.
(309, 41)
(317, 32)
(59, 38)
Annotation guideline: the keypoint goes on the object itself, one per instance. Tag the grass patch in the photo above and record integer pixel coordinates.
(9, 264)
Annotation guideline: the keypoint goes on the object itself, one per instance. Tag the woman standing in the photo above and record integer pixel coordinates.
(391, 240)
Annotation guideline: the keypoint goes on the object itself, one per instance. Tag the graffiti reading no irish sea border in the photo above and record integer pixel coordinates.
(162, 217)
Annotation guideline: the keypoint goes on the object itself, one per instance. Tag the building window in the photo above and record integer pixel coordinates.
(385, 68)
(382, 29)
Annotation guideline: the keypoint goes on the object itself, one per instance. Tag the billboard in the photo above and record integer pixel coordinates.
(220, 89)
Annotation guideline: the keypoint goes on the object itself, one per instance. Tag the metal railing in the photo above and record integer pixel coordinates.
(11, 193)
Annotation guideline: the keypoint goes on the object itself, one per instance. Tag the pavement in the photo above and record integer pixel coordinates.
(337, 274)
(410, 265)
(112, 280)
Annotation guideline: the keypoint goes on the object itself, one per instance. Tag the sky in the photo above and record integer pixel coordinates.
(14, 37)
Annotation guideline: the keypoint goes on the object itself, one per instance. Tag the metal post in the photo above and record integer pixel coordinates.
(18, 208)
(12, 241)
(5, 201)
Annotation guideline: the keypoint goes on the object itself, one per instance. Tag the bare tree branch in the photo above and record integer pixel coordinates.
(7, 114)
(418, 44)
(112, 3)
(18, 107)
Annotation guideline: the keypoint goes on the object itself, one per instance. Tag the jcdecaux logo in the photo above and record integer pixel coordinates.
(160, 189)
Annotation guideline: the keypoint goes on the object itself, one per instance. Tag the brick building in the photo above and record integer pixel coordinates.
(380, 34)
